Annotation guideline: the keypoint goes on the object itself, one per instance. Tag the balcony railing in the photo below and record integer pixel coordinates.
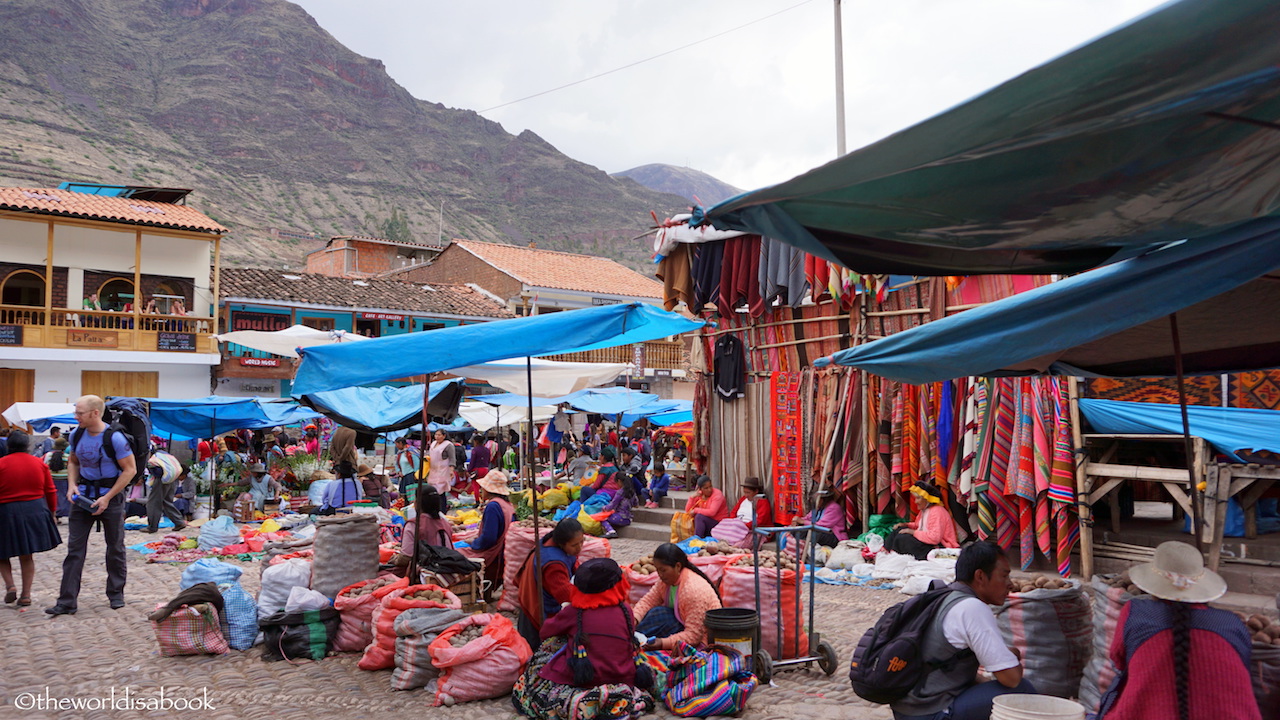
(51, 328)
(657, 354)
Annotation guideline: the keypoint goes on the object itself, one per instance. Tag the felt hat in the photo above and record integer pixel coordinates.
(277, 429)
(257, 468)
(363, 470)
(826, 492)
(597, 575)
(752, 483)
(1178, 573)
(495, 483)
(378, 469)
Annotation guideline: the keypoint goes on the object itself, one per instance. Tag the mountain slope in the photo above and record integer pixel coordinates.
(693, 185)
(278, 126)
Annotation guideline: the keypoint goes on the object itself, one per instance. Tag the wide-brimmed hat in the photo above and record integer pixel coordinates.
(826, 492)
(1178, 573)
(363, 470)
(379, 470)
(257, 468)
(321, 475)
(597, 575)
(277, 429)
(495, 483)
(752, 483)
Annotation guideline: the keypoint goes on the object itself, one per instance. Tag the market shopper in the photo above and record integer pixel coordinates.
(406, 468)
(558, 554)
(675, 608)
(619, 508)
(590, 644)
(428, 524)
(56, 461)
(441, 458)
(933, 528)
(607, 479)
(1179, 659)
(163, 471)
(963, 637)
(342, 450)
(707, 506)
(491, 538)
(28, 503)
(93, 474)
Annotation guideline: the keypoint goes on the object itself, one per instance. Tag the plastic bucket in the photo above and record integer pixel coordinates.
(737, 628)
(1035, 707)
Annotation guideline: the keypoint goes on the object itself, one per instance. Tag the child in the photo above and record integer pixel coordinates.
(658, 486)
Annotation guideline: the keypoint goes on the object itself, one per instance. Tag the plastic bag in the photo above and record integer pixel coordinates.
(1053, 629)
(299, 636)
(570, 510)
(681, 526)
(416, 628)
(346, 552)
(486, 667)
(240, 616)
(590, 525)
(517, 546)
(209, 570)
(278, 581)
(303, 599)
(381, 652)
(891, 565)
(218, 532)
(846, 554)
(738, 590)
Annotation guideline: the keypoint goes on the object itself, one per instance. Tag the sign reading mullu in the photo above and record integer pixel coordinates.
(175, 342)
(266, 322)
(10, 334)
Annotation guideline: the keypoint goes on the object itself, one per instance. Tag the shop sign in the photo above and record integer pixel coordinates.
(10, 334)
(260, 362)
(93, 338)
(175, 342)
(266, 322)
(381, 316)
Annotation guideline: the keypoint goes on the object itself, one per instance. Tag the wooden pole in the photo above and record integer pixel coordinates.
(1197, 507)
(532, 484)
(217, 282)
(137, 287)
(1083, 509)
(48, 282)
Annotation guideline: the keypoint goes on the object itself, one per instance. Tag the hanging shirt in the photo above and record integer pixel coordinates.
(730, 367)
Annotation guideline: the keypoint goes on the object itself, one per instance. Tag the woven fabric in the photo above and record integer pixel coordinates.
(190, 630)
(711, 682)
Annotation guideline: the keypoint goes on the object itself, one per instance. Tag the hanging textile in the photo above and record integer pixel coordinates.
(1062, 484)
(786, 431)
(676, 273)
(708, 265)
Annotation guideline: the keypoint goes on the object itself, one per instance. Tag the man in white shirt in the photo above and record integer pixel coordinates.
(963, 637)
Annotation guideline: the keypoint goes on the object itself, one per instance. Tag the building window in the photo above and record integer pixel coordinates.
(115, 294)
(23, 287)
(317, 323)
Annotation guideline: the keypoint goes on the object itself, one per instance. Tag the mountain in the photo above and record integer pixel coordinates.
(693, 185)
(283, 133)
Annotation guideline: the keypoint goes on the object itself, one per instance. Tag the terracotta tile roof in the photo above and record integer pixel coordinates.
(567, 271)
(111, 209)
(314, 288)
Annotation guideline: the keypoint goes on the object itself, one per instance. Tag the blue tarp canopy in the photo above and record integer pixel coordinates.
(598, 401)
(660, 409)
(1163, 129)
(380, 409)
(674, 417)
(1229, 430)
(1111, 321)
(399, 356)
(213, 415)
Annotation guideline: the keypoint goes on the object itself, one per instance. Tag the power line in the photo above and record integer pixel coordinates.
(652, 57)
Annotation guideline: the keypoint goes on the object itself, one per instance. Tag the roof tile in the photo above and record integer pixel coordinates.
(314, 288)
(567, 271)
(111, 209)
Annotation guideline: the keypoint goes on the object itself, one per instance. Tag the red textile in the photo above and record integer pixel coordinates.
(589, 601)
(556, 583)
(204, 451)
(739, 280)
(26, 477)
(764, 510)
(608, 648)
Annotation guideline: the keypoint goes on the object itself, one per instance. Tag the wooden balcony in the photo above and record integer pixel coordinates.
(34, 327)
(658, 354)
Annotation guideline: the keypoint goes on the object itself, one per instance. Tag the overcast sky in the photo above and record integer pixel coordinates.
(753, 107)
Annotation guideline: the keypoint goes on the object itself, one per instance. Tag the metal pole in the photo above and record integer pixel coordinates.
(213, 469)
(532, 485)
(1197, 514)
(840, 147)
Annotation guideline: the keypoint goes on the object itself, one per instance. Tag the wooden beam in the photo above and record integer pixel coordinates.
(1105, 489)
(48, 279)
(1138, 472)
(895, 313)
(120, 227)
(840, 336)
(1179, 496)
(1219, 477)
(137, 286)
(1083, 508)
(217, 281)
(797, 321)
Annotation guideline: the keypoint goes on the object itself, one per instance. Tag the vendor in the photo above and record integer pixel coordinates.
(1161, 639)
(558, 558)
(828, 516)
(440, 455)
(607, 480)
(495, 520)
(261, 485)
(374, 483)
(675, 609)
(707, 506)
(933, 528)
(753, 510)
(428, 523)
(342, 449)
(591, 644)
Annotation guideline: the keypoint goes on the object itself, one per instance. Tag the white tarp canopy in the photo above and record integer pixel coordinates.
(22, 413)
(551, 378)
(484, 417)
(284, 342)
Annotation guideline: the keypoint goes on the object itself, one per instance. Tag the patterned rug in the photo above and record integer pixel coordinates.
(1260, 390)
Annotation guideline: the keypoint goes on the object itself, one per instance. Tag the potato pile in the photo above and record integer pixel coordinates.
(644, 566)
(432, 595)
(718, 547)
(1122, 581)
(1262, 628)
(1039, 582)
(528, 523)
(768, 559)
(369, 587)
(471, 632)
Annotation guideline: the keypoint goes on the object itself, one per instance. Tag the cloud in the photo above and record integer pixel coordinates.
(752, 108)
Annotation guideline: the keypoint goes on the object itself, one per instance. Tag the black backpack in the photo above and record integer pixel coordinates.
(129, 417)
(889, 661)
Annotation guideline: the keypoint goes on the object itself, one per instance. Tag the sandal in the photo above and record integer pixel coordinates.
(10, 596)
(24, 602)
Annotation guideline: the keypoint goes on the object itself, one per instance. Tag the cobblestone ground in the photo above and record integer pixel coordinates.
(87, 654)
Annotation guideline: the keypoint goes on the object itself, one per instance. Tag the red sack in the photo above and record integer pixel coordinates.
(355, 612)
(713, 566)
(640, 584)
(518, 545)
(381, 652)
(738, 590)
(486, 667)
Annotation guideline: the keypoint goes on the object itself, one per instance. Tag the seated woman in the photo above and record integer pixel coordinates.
(934, 527)
(496, 517)
(607, 479)
(589, 653)
(623, 500)
(558, 553)
(828, 515)
(428, 524)
(753, 510)
(374, 483)
(675, 609)
(1162, 640)
(262, 486)
(707, 506)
